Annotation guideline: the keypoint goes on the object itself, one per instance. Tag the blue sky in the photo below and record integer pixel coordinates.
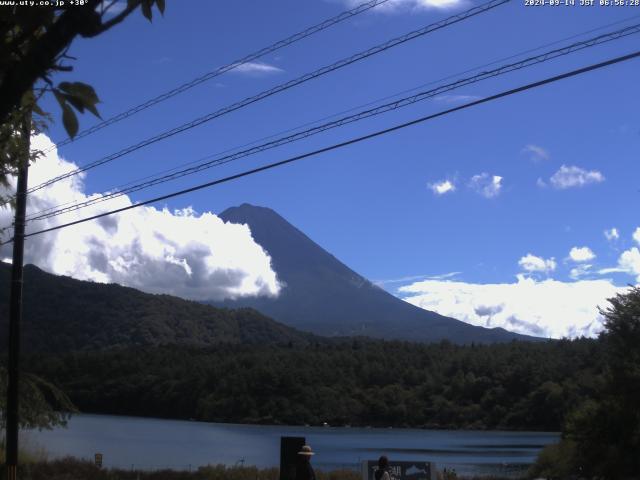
(529, 177)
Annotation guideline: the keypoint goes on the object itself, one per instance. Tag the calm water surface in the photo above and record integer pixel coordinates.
(145, 443)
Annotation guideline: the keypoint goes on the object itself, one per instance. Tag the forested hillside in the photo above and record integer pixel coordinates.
(62, 314)
(512, 386)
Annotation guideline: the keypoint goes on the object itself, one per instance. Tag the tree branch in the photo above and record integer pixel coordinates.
(41, 56)
(103, 27)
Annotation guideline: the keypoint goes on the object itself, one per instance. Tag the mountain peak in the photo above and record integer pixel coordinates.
(247, 209)
(324, 296)
(288, 247)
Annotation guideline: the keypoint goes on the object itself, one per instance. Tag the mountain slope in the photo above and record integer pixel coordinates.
(62, 314)
(324, 296)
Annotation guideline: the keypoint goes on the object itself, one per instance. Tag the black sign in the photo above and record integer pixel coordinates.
(289, 448)
(401, 470)
(98, 459)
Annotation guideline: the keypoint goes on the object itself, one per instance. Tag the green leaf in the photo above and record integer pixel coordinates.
(161, 6)
(28, 98)
(84, 96)
(76, 102)
(69, 120)
(146, 8)
(29, 101)
(92, 108)
(59, 97)
(38, 110)
(81, 90)
(66, 87)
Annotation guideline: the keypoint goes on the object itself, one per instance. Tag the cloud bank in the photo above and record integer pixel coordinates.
(183, 253)
(547, 308)
(533, 306)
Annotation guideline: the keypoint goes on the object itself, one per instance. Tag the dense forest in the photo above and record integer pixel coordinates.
(131, 353)
(62, 314)
(601, 435)
(512, 386)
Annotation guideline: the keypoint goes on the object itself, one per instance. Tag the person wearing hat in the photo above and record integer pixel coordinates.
(304, 470)
(382, 472)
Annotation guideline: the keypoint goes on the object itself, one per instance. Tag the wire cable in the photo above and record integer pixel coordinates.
(226, 68)
(352, 109)
(352, 141)
(400, 103)
(282, 87)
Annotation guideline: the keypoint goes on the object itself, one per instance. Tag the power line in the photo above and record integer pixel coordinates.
(226, 68)
(282, 87)
(352, 141)
(118, 188)
(53, 211)
(400, 103)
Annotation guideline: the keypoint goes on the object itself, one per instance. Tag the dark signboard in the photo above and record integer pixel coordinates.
(289, 448)
(401, 470)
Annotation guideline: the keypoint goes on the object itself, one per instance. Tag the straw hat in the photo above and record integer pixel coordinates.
(306, 450)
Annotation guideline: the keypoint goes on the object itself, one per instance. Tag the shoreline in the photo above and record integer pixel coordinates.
(127, 441)
(351, 426)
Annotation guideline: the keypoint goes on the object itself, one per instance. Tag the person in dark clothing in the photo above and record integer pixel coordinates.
(382, 473)
(304, 470)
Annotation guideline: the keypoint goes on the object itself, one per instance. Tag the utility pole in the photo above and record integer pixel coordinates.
(15, 306)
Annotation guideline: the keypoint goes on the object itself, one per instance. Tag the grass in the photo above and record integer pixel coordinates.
(27, 453)
(70, 468)
(73, 469)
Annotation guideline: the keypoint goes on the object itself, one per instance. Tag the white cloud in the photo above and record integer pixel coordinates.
(536, 153)
(444, 276)
(612, 234)
(548, 308)
(256, 68)
(433, 3)
(488, 186)
(450, 99)
(396, 6)
(183, 253)
(629, 262)
(532, 263)
(442, 187)
(572, 176)
(580, 271)
(581, 254)
(413, 278)
(607, 271)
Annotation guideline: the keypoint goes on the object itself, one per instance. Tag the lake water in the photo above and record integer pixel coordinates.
(143, 443)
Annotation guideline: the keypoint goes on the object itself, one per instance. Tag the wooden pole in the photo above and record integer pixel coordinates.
(15, 307)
